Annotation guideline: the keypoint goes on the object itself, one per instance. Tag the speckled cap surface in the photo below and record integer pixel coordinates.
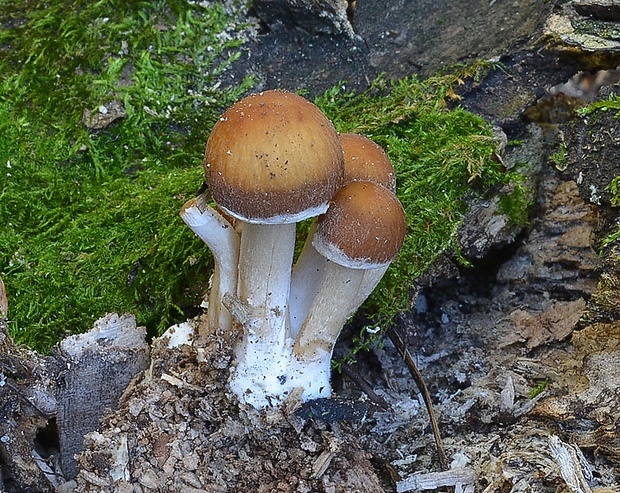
(273, 157)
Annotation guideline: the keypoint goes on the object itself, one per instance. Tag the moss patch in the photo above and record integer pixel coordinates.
(89, 218)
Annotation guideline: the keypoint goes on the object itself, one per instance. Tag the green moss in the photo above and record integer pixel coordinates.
(560, 158)
(612, 103)
(605, 29)
(614, 236)
(517, 204)
(89, 221)
(539, 389)
(614, 189)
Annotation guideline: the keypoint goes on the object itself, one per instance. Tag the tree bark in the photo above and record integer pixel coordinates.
(48, 403)
(330, 17)
(98, 366)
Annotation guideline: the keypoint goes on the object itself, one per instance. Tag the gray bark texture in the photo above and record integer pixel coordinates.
(98, 367)
(315, 16)
(48, 403)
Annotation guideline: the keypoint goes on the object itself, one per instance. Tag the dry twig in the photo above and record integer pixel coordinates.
(365, 387)
(396, 338)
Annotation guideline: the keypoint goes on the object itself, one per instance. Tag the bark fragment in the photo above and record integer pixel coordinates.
(98, 366)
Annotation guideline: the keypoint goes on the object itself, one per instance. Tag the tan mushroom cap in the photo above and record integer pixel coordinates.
(365, 160)
(273, 157)
(364, 227)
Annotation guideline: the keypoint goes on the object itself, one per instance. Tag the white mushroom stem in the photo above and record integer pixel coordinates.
(339, 293)
(223, 241)
(305, 279)
(263, 356)
(360, 234)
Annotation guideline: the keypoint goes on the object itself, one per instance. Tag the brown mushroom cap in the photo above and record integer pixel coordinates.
(364, 160)
(273, 157)
(364, 227)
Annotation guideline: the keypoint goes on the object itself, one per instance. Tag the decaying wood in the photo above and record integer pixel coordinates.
(462, 478)
(315, 16)
(606, 10)
(25, 408)
(241, 312)
(98, 366)
(570, 461)
(555, 324)
(51, 402)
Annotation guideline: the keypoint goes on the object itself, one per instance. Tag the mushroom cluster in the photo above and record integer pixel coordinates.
(273, 159)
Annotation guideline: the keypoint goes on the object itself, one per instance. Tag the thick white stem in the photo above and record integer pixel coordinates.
(224, 242)
(339, 294)
(263, 356)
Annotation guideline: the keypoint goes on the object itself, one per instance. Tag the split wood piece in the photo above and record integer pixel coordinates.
(98, 366)
(463, 478)
(570, 460)
(323, 461)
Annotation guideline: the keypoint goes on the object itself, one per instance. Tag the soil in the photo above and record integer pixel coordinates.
(180, 429)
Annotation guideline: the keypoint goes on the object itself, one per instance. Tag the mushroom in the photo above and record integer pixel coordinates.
(223, 241)
(364, 160)
(359, 236)
(271, 160)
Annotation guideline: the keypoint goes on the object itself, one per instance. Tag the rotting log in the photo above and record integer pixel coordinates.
(26, 406)
(48, 403)
(332, 17)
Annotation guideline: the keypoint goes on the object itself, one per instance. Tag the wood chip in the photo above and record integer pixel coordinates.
(569, 459)
(554, 324)
(104, 115)
(461, 478)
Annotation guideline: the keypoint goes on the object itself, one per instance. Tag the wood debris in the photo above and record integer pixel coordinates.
(462, 478)
(571, 462)
(185, 431)
(104, 115)
(554, 324)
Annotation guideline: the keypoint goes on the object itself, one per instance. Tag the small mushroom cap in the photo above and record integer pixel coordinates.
(364, 160)
(364, 227)
(273, 157)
